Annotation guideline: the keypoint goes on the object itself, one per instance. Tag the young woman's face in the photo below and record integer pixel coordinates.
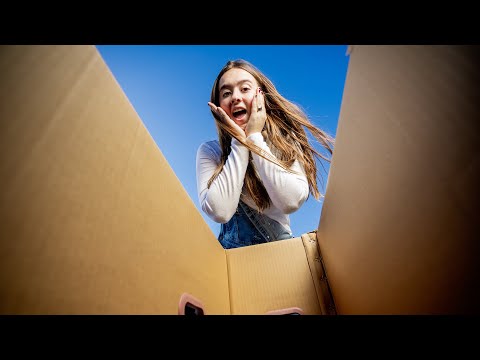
(237, 89)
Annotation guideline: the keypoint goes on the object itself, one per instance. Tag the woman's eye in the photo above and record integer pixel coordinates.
(226, 93)
(245, 89)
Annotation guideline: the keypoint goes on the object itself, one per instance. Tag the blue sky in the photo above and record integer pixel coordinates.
(169, 87)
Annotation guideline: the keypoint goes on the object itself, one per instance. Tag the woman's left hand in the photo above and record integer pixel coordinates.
(258, 115)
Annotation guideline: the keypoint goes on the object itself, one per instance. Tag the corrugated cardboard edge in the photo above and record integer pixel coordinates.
(229, 280)
(270, 277)
(319, 275)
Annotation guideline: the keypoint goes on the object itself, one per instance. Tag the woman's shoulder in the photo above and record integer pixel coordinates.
(212, 146)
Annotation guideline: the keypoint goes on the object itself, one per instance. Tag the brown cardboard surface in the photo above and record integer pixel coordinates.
(319, 276)
(271, 276)
(399, 226)
(94, 221)
(93, 218)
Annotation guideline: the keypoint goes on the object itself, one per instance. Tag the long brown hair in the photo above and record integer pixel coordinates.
(284, 127)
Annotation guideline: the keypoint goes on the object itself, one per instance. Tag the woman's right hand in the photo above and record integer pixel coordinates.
(237, 130)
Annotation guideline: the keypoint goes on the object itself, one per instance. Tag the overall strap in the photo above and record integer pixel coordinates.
(270, 229)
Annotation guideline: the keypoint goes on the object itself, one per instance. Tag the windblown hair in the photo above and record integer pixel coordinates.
(284, 128)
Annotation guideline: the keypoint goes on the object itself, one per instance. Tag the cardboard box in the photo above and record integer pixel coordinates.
(399, 227)
(94, 221)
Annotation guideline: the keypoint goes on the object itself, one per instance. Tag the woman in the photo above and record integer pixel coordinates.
(262, 167)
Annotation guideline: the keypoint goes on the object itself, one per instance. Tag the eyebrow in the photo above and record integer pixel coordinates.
(238, 83)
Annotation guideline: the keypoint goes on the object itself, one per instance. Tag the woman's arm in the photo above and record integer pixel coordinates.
(220, 201)
(287, 191)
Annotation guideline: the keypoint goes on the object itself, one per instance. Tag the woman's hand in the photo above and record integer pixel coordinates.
(237, 130)
(258, 115)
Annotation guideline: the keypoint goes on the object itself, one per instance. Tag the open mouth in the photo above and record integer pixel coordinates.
(239, 113)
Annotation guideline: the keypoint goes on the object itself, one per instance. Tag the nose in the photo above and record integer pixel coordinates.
(236, 96)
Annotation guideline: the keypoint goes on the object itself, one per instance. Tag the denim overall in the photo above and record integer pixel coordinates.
(249, 227)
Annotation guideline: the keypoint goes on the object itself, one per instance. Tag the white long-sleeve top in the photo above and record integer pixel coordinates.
(287, 191)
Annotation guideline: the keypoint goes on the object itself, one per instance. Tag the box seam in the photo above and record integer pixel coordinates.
(312, 252)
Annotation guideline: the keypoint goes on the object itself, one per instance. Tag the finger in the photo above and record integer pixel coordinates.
(224, 117)
(213, 107)
(222, 113)
(217, 110)
(259, 100)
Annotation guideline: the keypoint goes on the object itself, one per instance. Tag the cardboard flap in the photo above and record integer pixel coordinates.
(399, 225)
(267, 278)
(93, 218)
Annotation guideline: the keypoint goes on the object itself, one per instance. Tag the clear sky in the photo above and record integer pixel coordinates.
(169, 87)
